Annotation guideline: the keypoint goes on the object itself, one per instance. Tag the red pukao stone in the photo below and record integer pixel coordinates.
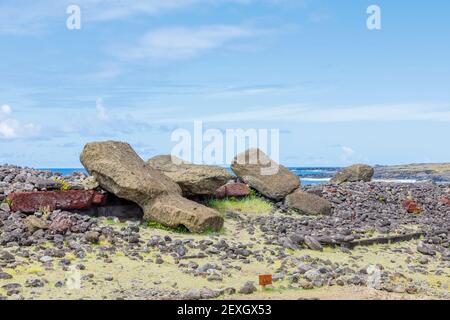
(446, 200)
(411, 206)
(30, 202)
(235, 189)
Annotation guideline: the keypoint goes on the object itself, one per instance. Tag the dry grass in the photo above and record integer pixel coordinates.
(251, 204)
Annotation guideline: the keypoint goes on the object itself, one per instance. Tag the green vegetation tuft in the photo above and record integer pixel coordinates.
(8, 201)
(113, 222)
(46, 212)
(64, 184)
(250, 204)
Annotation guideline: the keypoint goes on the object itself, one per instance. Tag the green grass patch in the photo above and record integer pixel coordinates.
(114, 223)
(64, 184)
(8, 201)
(250, 204)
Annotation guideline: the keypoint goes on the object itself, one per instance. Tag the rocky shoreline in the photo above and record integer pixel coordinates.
(435, 172)
(439, 173)
(370, 240)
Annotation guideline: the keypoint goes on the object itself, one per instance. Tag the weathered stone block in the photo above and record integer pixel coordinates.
(30, 202)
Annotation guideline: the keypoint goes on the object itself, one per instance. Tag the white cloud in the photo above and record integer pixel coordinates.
(109, 10)
(7, 130)
(107, 72)
(185, 42)
(102, 113)
(31, 17)
(301, 113)
(11, 128)
(14, 129)
(347, 151)
(5, 109)
(347, 154)
(107, 123)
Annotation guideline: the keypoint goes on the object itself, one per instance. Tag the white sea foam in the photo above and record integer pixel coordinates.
(309, 181)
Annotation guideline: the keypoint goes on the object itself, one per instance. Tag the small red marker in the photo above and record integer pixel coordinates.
(265, 280)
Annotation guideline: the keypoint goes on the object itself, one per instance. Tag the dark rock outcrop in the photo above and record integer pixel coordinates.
(355, 173)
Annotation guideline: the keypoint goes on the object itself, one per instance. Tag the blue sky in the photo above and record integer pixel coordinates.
(136, 70)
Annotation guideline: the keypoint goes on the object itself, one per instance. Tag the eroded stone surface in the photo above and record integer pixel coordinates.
(308, 203)
(194, 180)
(260, 172)
(118, 169)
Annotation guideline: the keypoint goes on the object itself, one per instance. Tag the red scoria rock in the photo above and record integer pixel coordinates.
(30, 202)
(235, 189)
(331, 190)
(411, 206)
(446, 200)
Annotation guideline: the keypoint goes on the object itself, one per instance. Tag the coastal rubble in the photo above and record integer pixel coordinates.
(366, 238)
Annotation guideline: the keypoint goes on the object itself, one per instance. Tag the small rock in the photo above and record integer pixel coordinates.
(248, 288)
(306, 285)
(313, 243)
(214, 277)
(207, 266)
(46, 259)
(277, 277)
(7, 257)
(423, 260)
(193, 294)
(411, 289)
(4, 207)
(34, 283)
(209, 294)
(90, 183)
(92, 236)
(230, 291)
(425, 249)
(5, 276)
(312, 275)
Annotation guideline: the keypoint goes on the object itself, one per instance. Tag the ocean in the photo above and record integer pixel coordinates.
(309, 176)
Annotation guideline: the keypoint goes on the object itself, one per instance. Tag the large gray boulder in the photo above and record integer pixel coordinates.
(355, 173)
(193, 179)
(308, 203)
(260, 172)
(119, 170)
